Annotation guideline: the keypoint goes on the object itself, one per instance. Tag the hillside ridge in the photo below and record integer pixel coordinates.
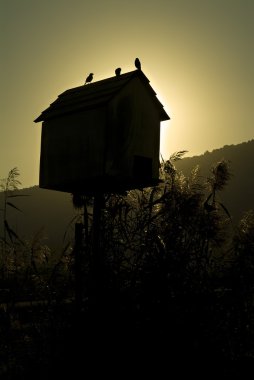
(49, 213)
(238, 196)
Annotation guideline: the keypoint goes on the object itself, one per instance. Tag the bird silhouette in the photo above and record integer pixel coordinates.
(89, 78)
(118, 71)
(138, 64)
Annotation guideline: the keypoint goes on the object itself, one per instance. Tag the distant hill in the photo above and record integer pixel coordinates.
(52, 211)
(44, 211)
(238, 196)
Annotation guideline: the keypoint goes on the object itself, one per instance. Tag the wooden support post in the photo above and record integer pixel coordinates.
(97, 254)
(78, 269)
(97, 257)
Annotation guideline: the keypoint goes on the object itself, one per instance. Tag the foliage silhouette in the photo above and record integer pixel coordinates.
(176, 282)
(169, 263)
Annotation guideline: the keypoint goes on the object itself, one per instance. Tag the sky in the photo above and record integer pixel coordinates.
(197, 54)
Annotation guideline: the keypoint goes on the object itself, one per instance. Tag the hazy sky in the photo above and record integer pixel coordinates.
(197, 54)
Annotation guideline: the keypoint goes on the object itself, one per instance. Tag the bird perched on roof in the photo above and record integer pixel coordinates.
(138, 64)
(118, 71)
(89, 78)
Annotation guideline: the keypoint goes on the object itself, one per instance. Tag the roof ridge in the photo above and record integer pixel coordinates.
(92, 95)
(102, 81)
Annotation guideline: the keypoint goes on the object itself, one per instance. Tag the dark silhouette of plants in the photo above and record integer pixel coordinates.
(242, 282)
(168, 259)
(159, 244)
(27, 264)
(8, 186)
(10, 239)
(220, 175)
(176, 278)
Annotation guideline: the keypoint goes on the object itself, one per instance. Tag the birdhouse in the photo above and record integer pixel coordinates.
(103, 136)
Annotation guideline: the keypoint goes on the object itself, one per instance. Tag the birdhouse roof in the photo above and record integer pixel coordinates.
(96, 94)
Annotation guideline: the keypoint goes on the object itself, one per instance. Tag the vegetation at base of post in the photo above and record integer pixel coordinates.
(174, 265)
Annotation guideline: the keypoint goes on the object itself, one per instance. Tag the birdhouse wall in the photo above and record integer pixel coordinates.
(109, 147)
(72, 150)
(134, 127)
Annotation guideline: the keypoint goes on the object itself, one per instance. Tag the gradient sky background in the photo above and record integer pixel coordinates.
(197, 54)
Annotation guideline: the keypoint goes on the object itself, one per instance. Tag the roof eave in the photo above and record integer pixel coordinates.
(58, 111)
